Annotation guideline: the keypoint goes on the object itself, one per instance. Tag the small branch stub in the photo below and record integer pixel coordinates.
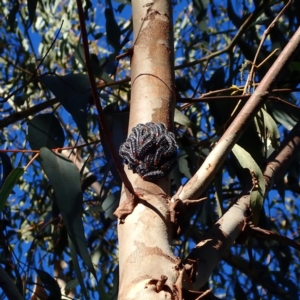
(150, 151)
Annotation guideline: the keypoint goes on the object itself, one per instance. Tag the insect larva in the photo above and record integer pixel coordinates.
(150, 150)
(153, 175)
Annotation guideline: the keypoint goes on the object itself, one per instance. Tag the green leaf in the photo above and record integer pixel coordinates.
(79, 53)
(99, 66)
(72, 284)
(8, 283)
(183, 84)
(182, 119)
(117, 124)
(74, 93)
(176, 176)
(110, 204)
(200, 9)
(6, 167)
(184, 166)
(284, 114)
(50, 284)
(44, 130)
(9, 184)
(257, 195)
(234, 18)
(20, 99)
(11, 19)
(77, 268)
(113, 294)
(238, 291)
(31, 5)
(65, 180)
(113, 31)
(267, 129)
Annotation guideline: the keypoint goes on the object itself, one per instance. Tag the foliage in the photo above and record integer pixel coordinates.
(46, 102)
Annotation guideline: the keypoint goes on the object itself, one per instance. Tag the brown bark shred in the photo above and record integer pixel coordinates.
(126, 207)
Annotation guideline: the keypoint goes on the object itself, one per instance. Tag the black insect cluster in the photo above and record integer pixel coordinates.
(150, 151)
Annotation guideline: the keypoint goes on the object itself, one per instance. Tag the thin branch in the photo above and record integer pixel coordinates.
(266, 33)
(232, 98)
(223, 234)
(267, 234)
(8, 286)
(109, 84)
(36, 69)
(257, 272)
(20, 115)
(200, 181)
(219, 238)
(281, 159)
(226, 49)
(102, 122)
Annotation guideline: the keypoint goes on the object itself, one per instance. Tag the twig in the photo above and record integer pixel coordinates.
(199, 182)
(102, 122)
(41, 106)
(36, 69)
(266, 33)
(226, 49)
(267, 234)
(8, 286)
(279, 160)
(221, 236)
(234, 97)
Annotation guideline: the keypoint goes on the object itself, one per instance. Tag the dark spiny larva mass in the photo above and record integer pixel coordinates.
(150, 150)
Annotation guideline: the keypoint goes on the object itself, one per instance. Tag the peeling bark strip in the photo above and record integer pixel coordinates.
(127, 206)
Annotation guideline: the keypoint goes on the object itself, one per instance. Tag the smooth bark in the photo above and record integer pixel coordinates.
(144, 239)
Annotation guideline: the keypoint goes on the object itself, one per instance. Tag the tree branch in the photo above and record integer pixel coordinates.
(222, 235)
(228, 48)
(281, 159)
(102, 122)
(8, 286)
(199, 182)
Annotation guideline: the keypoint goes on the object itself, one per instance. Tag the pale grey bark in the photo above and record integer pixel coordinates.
(144, 239)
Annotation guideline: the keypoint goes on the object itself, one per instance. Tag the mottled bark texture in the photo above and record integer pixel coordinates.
(145, 254)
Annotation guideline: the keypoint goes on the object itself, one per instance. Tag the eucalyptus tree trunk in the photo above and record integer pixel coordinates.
(148, 268)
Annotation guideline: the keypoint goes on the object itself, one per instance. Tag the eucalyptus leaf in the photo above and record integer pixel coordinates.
(182, 119)
(5, 167)
(65, 180)
(267, 129)
(50, 284)
(113, 31)
(110, 204)
(44, 130)
(283, 113)
(183, 166)
(200, 9)
(31, 6)
(73, 92)
(11, 19)
(117, 124)
(76, 266)
(257, 194)
(9, 184)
